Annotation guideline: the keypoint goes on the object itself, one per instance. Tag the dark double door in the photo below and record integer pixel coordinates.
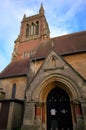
(58, 110)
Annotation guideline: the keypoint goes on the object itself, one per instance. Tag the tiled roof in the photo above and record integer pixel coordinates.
(67, 44)
(16, 68)
(71, 43)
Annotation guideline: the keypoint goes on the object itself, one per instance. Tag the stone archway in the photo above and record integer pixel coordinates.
(41, 93)
(42, 90)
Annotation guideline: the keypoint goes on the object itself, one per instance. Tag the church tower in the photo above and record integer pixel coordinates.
(34, 31)
(44, 86)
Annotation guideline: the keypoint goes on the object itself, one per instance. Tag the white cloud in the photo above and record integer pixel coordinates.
(61, 16)
(58, 31)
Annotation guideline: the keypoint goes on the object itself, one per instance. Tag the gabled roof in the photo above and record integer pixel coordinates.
(71, 43)
(16, 68)
(50, 72)
(67, 44)
(64, 45)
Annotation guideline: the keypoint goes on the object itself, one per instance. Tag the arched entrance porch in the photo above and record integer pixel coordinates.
(69, 91)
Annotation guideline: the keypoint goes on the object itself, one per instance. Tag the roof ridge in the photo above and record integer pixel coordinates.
(67, 35)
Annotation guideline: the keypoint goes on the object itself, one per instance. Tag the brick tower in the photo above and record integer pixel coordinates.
(34, 30)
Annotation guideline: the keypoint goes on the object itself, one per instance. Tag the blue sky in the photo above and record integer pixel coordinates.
(63, 16)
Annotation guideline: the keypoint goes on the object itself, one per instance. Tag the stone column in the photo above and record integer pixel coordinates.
(78, 114)
(43, 113)
(73, 115)
(83, 105)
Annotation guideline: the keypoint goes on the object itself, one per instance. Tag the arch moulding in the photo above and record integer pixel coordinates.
(41, 92)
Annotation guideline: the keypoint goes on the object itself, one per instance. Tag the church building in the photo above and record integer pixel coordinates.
(44, 85)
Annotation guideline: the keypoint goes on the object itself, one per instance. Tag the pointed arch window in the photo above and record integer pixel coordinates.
(13, 91)
(32, 28)
(37, 27)
(27, 30)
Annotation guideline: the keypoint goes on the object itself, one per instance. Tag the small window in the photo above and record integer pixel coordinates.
(32, 28)
(37, 27)
(27, 30)
(13, 91)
